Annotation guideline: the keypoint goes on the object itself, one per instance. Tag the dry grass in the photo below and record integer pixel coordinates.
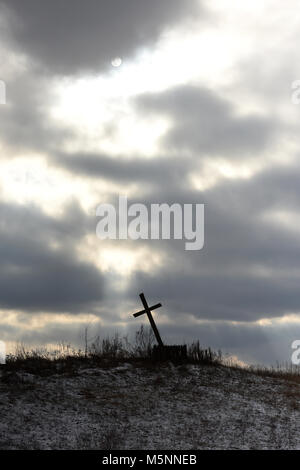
(106, 352)
(111, 351)
(288, 372)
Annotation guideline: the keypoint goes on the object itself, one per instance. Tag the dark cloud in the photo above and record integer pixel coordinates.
(153, 171)
(25, 124)
(239, 297)
(71, 36)
(206, 123)
(249, 266)
(40, 270)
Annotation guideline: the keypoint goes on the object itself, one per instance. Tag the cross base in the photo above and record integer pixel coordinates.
(175, 353)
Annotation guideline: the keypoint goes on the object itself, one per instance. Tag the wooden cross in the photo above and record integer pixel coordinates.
(147, 310)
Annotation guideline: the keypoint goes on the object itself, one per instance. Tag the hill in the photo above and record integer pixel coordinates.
(142, 406)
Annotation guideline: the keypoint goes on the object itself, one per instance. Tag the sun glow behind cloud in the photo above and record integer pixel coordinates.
(99, 107)
(122, 260)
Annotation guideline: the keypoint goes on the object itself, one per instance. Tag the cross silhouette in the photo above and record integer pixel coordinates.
(147, 310)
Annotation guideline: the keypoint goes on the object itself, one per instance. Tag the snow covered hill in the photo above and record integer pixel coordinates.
(144, 407)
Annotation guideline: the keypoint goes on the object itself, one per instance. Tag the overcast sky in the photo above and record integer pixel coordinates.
(199, 111)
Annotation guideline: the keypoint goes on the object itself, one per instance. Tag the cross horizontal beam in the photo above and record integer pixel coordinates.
(141, 312)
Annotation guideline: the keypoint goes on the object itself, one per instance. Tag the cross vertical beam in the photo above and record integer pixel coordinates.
(147, 310)
(151, 319)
